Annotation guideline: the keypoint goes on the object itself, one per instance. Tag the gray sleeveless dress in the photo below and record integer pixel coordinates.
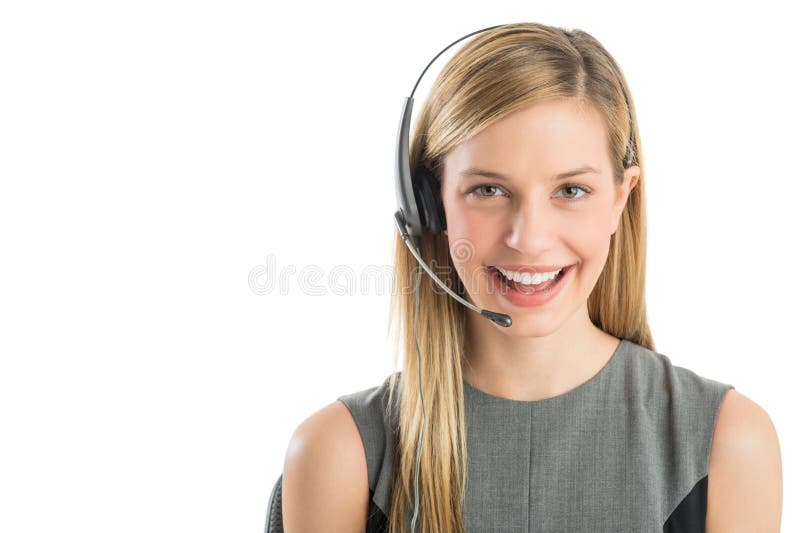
(626, 451)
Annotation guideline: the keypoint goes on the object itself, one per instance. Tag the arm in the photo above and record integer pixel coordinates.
(745, 490)
(325, 484)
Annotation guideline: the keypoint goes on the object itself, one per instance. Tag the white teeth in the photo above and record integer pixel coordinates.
(529, 279)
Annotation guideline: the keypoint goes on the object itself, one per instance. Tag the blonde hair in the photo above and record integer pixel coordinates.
(496, 73)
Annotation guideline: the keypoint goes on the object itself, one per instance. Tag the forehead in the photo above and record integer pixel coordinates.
(546, 137)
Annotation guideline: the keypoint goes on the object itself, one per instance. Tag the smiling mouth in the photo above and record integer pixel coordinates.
(529, 288)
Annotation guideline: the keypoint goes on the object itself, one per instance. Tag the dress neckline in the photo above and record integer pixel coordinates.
(471, 391)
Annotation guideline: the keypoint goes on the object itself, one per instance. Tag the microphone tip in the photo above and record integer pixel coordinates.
(498, 318)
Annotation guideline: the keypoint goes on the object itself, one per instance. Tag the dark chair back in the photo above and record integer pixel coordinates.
(274, 516)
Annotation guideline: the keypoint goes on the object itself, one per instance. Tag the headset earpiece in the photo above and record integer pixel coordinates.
(427, 191)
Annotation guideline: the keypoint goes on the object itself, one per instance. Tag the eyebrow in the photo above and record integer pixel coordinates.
(474, 171)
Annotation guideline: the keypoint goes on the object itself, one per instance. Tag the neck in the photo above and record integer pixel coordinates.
(535, 366)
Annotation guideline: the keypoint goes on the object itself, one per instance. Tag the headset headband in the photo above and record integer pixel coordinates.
(411, 217)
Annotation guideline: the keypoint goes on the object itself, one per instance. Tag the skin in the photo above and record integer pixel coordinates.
(529, 219)
(745, 480)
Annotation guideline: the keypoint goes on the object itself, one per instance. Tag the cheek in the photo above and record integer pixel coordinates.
(468, 242)
(587, 228)
(466, 232)
(591, 244)
(593, 239)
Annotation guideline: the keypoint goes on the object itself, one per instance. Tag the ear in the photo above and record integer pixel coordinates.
(621, 192)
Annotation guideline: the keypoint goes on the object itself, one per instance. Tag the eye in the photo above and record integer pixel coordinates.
(484, 186)
(573, 186)
(487, 190)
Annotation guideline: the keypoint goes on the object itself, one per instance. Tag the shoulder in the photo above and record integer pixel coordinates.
(744, 478)
(655, 377)
(325, 456)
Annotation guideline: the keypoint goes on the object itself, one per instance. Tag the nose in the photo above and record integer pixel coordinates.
(531, 229)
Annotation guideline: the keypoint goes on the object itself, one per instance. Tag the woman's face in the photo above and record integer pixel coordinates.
(527, 217)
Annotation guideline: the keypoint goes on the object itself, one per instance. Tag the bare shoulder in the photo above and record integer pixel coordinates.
(745, 487)
(325, 484)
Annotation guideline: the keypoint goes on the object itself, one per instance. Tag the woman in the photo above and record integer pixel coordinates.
(569, 420)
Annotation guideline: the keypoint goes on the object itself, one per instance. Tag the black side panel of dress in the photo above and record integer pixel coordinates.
(377, 522)
(690, 515)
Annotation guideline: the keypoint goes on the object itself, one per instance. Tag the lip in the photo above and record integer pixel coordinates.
(530, 269)
(536, 299)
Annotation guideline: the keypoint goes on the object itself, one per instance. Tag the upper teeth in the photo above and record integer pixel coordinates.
(529, 279)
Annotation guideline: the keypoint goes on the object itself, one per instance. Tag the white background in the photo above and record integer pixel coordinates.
(155, 155)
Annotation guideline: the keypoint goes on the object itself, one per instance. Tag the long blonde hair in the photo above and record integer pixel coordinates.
(496, 73)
